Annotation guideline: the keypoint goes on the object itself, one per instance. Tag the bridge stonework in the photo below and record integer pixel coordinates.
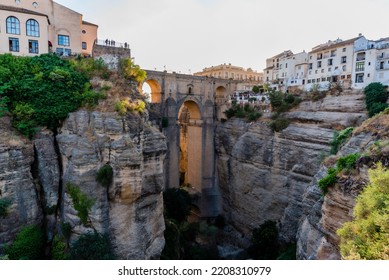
(205, 100)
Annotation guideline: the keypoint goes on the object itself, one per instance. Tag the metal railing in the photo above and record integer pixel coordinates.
(112, 43)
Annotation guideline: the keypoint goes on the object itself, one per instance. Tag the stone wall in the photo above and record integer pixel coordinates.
(110, 55)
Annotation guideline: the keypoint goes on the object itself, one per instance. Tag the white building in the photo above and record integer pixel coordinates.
(371, 62)
(274, 69)
(331, 62)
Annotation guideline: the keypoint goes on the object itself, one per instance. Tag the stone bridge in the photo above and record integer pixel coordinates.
(187, 108)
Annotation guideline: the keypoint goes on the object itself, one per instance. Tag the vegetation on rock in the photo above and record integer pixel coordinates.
(248, 112)
(4, 206)
(92, 246)
(28, 244)
(105, 175)
(132, 71)
(344, 163)
(82, 204)
(375, 98)
(42, 90)
(367, 236)
(264, 242)
(339, 139)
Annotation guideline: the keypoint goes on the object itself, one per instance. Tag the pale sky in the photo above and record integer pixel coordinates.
(188, 35)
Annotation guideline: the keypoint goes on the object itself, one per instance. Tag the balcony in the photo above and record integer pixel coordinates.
(361, 58)
(383, 56)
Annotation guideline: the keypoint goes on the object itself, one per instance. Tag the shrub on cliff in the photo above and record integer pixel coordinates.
(41, 90)
(132, 71)
(28, 244)
(367, 236)
(248, 112)
(105, 175)
(4, 206)
(339, 139)
(92, 246)
(375, 98)
(264, 242)
(81, 203)
(177, 204)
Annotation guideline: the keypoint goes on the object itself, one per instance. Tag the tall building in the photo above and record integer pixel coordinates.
(29, 27)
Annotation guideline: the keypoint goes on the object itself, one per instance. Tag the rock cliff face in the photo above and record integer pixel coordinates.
(322, 217)
(130, 210)
(264, 175)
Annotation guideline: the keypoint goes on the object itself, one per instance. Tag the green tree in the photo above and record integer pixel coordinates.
(367, 236)
(375, 94)
(255, 89)
(276, 99)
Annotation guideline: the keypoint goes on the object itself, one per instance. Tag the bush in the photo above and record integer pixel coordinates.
(366, 236)
(59, 249)
(328, 181)
(339, 139)
(28, 244)
(132, 71)
(92, 246)
(248, 112)
(264, 242)
(105, 175)
(123, 106)
(377, 108)
(177, 204)
(279, 124)
(347, 162)
(375, 93)
(82, 204)
(40, 90)
(4, 207)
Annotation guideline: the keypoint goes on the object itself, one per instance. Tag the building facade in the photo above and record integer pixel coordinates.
(371, 62)
(330, 62)
(29, 27)
(228, 71)
(352, 63)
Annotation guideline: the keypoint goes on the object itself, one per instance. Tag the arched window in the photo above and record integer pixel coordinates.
(32, 27)
(13, 25)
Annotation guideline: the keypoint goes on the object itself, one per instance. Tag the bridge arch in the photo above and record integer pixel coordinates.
(156, 90)
(191, 144)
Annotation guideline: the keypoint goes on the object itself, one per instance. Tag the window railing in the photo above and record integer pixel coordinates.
(361, 58)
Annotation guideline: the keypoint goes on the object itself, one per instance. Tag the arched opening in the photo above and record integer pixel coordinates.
(190, 123)
(221, 100)
(152, 89)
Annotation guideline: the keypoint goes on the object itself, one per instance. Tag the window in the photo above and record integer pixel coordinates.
(344, 49)
(330, 62)
(318, 64)
(63, 40)
(315, 71)
(328, 79)
(342, 77)
(333, 53)
(13, 25)
(381, 65)
(309, 81)
(32, 28)
(310, 72)
(286, 65)
(63, 52)
(83, 32)
(318, 80)
(360, 66)
(310, 66)
(319, 56)
(323, 79)
(348, 76)
(343, 59)
(329, 69)
(84, 46)
(13, 44)
(33, 46)
(322, 70)
(359, 78)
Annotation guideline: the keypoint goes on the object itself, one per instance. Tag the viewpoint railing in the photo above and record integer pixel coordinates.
(112, 43)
